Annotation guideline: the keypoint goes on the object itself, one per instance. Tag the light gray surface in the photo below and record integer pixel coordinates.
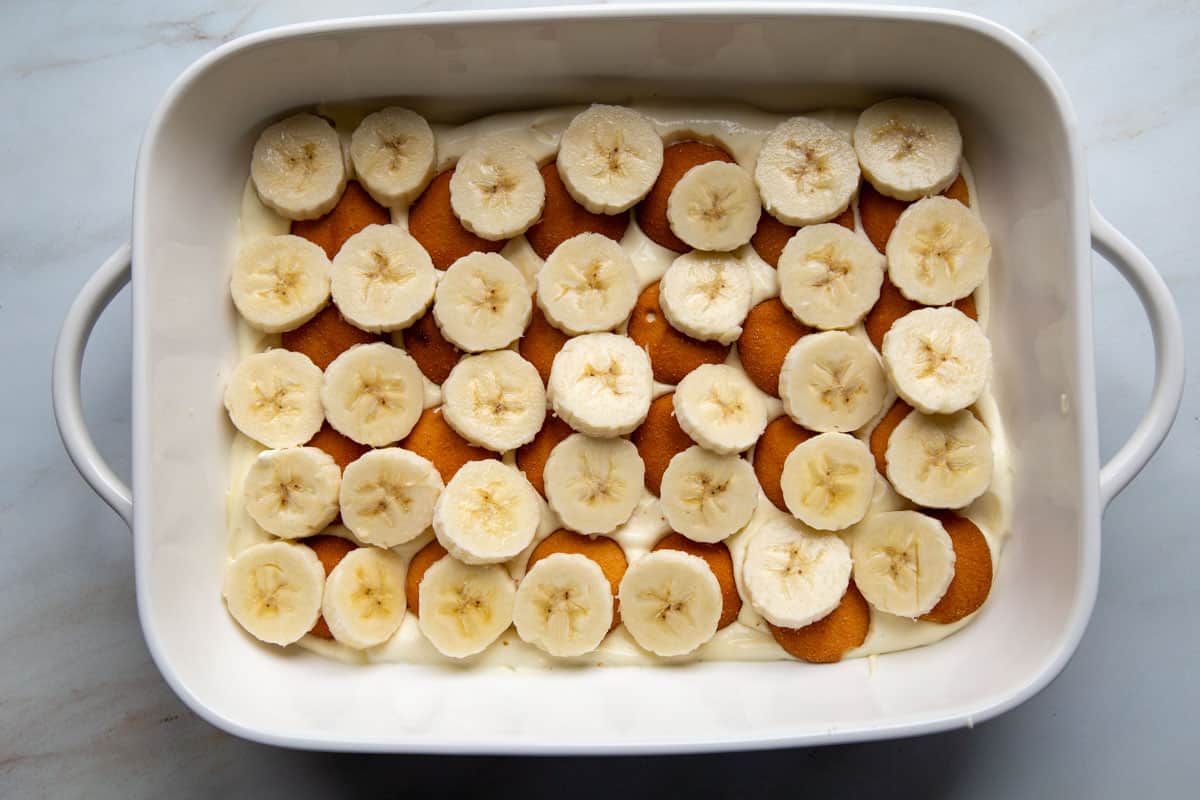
(82, 708)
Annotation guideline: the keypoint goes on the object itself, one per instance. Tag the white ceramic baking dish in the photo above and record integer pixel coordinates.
(1023, 144)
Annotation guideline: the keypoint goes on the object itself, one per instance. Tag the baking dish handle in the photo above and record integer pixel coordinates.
(1167, 330)
(92, 299)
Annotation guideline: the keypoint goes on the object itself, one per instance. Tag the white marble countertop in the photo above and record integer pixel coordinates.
(83, 710)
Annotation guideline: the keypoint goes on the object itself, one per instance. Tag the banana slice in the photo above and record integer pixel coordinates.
(720, 408)
(495, 400)
(828, 481)
(298, 168)
(387, 496)
(707, 497)
(707, 295)
(832, 381)
(670, 602)
(274, 397)
(393, 153)
(940, 461)
(373, 393)
(292, 492)
(903, 562)
(794, 576)
(806, 172)
(714, 206)
(465, 608)
(601, 384)
(908, 148)
(830, 277)
(274, 591)
(487, 513)
(482, 302)
(609, 157)
(587, 285)
(280, 282)
(938, 252)
(938, 359)
(382, 279)
(364, 600)
(594, 484)
(497, 191)
(564, 605)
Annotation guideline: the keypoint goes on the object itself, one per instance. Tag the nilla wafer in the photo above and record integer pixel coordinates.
(563, 218)
(434, 354)
(425, 558)
(330, 550)
(601, 549)
(659, 439)
(531, 458)
(972, 581)
(892, 305)
(652, 211)
(434, 439)
(326, 336)
(720, 562)
(340, 448)
(879, 212)
(432, 222)
(541, 342)
(672, 354)
(883, 432)
(353, 212)
(774, 446)
(824, 641)
(772, 236)
(768, 333)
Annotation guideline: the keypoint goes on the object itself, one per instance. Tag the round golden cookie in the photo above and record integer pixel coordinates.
(340, 448)
(659, 439)
(768, 333)
(972, 581)
(601, 549)
(883, 432)
(531, 458)
(434, 354)
(563, 218)
(433, 438)
(824, 641)
(892, 305)
(774, 446)
(720, 562)
(771, 235)
(541, 342)
(879, 212)
(326, 336)
(425, 558)
(672, 354)
(330, 550)
(432, 222)
(353, 212)
(652, 211)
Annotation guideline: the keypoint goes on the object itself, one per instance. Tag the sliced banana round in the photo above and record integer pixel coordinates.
(387, 496)
(464, 608)
(793, 575)
(292, 492)
(939, 359)
(382, 279)
(274, 591)
(587, 285)
(938, 252)
(280, 282)
(364, 600)
(393, 153)
(298, 168)
(594, 484)
(564, 605)
(496, 190)
(720, 408)
(714, 206)
(495, 400)
(609, 157)
(601, 384)
(828, 481)
(832, 381)
(830, 277)
(903, 562)
(940, 460)
(487, 513)
(806, 172)
(482, 302)
(908, 148)
(707, 295)
(670, 602)
(373, 393)
(274, 397)
(706, 496)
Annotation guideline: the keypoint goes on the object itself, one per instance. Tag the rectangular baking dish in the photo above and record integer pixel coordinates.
(1022, 142)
